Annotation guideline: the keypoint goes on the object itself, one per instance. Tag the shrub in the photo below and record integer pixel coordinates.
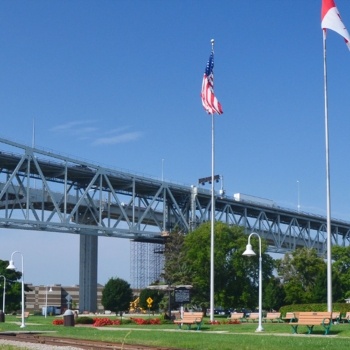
(84, 320)
(125, 321)
(343, 308)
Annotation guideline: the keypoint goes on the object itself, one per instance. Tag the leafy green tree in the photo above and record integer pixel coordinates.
(155, 295)
(274, 294)
(236, 276)
(176, 270)
(116, 295)
(13, 287)
(320, 287)
(299, 271)
(341, 266)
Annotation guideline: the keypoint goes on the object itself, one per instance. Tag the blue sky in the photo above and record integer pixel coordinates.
(118, 82)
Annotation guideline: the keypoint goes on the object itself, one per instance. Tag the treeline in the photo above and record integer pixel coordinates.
(298, 278)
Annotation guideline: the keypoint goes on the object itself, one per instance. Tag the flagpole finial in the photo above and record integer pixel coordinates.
(212, 41)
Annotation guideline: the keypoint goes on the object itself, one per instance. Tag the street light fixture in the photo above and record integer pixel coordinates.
(46, 299)
(12, 267)
(3, 295)
(250, 252)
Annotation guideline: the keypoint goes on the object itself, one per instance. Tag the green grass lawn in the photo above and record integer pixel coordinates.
(211, 337)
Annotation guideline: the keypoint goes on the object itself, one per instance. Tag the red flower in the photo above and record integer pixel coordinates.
(214, 322)
(101, 322)
(57, 322)
(155, 321)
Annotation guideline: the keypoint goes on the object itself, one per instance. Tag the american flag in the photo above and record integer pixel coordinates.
(209, 101)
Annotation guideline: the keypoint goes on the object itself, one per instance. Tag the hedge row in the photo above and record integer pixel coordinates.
(343, 308)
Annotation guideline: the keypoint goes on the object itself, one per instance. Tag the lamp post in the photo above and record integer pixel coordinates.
(46, 299)
(298, 197)
(249, 252)
(3, 295)
(12, 267)
(162, 169)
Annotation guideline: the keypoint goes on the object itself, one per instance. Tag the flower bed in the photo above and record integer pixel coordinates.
(100, 322)
(141, 321)
(57, 322)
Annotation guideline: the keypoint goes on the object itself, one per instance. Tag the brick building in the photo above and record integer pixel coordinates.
(35, 300)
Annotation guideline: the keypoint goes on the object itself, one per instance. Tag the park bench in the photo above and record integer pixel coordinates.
(346, 318)
(26, 315)
(335, 317)
(236, 316)
(190, 318)
(311, 319)
(291, 317)
(254, 316)
(273, 316)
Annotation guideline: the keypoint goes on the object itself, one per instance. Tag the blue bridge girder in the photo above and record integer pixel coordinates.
(41, 190)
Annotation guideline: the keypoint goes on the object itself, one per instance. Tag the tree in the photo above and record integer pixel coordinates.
(176, 270)
(155, 295)
(13, 287)
(236, 277)
(299, 271)
(274, 294)
(341, 266)
(116, 295)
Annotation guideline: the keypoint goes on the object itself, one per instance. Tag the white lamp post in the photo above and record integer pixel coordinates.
(298, 197)
(46, 299)
(249, 252)
(3, 295)
(12, 267)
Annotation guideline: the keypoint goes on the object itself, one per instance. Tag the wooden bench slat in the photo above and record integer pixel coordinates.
(190, 318)
(236, 316)
(273, 316)
(311, 319)
(346, 318)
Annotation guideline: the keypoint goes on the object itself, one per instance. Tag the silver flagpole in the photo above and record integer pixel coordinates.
(212, 212)
(329, 237)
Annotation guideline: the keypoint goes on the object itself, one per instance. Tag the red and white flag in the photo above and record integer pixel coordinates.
(330, 19)
(209, 101)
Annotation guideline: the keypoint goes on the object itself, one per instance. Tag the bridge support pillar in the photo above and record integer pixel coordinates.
(88, 273)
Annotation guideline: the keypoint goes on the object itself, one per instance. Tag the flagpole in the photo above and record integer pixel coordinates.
(329, 236)
(212, 212)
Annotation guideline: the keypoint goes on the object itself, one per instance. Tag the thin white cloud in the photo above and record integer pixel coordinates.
(117, 130)
(83, 131)
(131, 136)
(70, 125)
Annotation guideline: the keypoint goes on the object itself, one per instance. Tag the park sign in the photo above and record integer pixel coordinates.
(182, 295)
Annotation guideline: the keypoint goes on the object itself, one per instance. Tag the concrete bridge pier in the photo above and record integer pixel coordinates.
(88, 273)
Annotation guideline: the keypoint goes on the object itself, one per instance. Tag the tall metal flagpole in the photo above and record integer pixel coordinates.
(329, 237)
(212, 213)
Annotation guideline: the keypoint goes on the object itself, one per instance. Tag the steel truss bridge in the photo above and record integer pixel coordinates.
(44, 191)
